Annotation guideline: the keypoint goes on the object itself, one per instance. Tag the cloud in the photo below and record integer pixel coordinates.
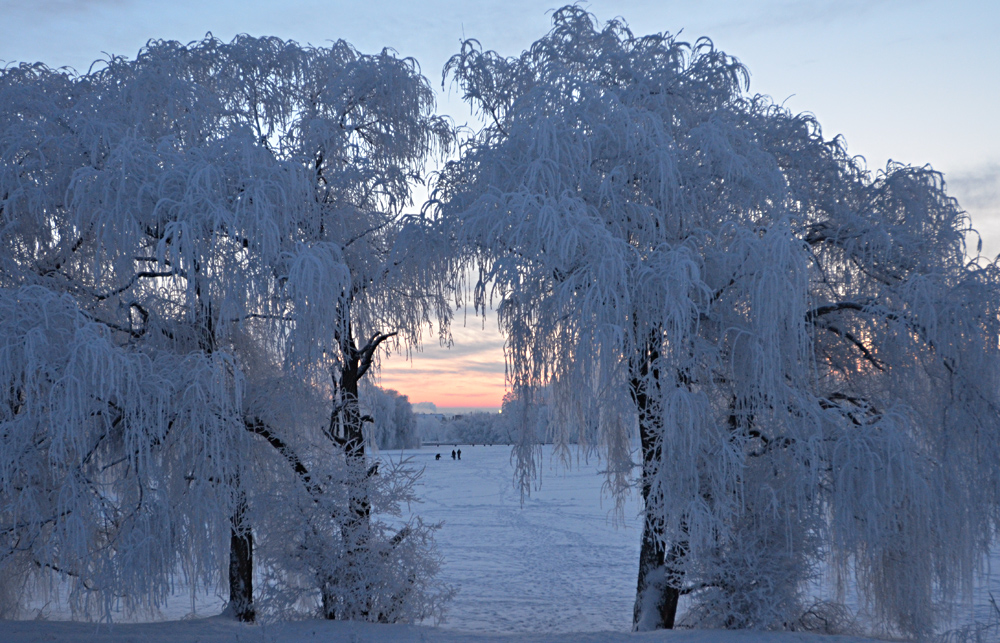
(469, 374)
(978, 189)
(424, 407)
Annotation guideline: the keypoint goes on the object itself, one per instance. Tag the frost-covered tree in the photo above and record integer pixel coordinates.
(808, 355)
(391, 423)
(192, 244)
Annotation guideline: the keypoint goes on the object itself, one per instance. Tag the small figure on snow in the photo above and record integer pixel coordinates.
(459, 454)
(437, 457)
(453, 454)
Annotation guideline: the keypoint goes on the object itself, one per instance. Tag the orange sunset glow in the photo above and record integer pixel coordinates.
(468, 375)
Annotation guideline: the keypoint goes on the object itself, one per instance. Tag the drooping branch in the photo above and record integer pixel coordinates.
(113, 326)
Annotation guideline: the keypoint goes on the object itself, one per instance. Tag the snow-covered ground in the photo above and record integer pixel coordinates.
(217, 630)
(557, 566)
(557, 563)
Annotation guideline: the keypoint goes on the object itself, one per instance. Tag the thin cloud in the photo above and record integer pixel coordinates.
(978, 189)
(468, 374)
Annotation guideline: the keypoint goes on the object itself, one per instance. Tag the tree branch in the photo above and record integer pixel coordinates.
(819, 311)
(259, 427)
(857, 343)
(366, 354)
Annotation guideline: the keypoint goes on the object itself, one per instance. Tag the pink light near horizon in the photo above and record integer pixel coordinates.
(469, 374)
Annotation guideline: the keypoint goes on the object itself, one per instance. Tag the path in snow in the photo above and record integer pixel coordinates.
(557, 563)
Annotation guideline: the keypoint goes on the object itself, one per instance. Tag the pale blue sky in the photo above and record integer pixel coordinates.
(915, 81)
(909, 79)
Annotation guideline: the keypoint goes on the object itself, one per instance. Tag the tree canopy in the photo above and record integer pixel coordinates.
(805, 349)
(203, 251)
(190, 244)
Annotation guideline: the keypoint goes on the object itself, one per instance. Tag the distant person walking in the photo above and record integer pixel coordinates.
(437, 457)
(453, 454)
(459, 454)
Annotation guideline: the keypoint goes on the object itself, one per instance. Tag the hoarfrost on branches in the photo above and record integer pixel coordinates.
(393, 424)
(809, 355)
(195, 247)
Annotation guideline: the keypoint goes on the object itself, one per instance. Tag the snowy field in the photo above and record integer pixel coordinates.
(559, 562)
(216, 630)
(555, 564)
(555, 567)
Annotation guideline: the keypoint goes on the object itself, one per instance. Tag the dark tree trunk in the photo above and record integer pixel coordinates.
(660, 571)
(355, 526)
(240, 536)
(657, 590)
(241, 566)
(347, 428)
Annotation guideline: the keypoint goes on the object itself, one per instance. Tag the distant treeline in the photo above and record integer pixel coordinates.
(393, 423)
(468, 428)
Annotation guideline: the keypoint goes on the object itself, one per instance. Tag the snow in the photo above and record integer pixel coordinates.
(218, 630)
(557, 563)
(556, 568)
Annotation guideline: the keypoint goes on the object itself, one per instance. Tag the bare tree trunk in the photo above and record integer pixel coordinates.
(660, 571)
(240, 535)
(241, 565)
(658, 589)
(356, 525)
(347, 427)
